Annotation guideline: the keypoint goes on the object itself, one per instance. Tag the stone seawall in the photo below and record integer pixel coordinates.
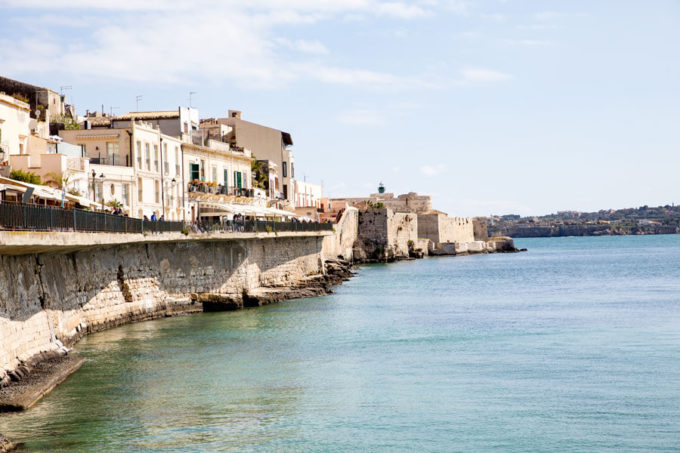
(50, 300)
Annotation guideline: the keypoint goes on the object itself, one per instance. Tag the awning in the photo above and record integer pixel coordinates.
(213, 208)
(97, 137)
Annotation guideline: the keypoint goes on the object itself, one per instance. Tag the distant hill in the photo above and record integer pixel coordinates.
(642, 220)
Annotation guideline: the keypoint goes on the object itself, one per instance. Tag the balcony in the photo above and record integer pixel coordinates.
(211, 188)
(111, 160)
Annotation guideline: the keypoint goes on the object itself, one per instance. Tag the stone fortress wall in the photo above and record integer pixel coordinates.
(385, 235)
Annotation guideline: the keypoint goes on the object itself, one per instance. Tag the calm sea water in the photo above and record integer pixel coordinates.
(572, 346)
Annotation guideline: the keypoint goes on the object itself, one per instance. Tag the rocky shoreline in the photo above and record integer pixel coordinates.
(6, 444)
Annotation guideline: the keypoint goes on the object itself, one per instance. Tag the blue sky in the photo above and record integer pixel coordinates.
(494, 106)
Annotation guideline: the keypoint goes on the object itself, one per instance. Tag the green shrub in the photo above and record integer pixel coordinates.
(25, 176)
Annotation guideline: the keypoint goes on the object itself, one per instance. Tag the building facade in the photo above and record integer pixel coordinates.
(264, 142)
(136, 165)
(15, 123)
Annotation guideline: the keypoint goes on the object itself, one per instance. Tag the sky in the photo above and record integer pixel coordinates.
(492, 107)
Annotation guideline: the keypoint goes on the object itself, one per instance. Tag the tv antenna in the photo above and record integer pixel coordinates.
(138, 98)
(191, 94)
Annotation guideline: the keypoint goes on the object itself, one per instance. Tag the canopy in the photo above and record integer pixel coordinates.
(214, 208)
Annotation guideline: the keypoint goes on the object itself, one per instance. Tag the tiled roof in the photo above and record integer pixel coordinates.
(149, 115)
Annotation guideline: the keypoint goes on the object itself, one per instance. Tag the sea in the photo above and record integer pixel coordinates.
(572, 346)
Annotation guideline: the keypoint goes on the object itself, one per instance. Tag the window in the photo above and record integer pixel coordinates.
(139, 155)
(194, 171)
(214, 173)
(177, 161)
(113, 189)
(155, 157)
(140, 190)
(157, 190)
(226, 178)
(202, 170)
(166, 165)
(147, 156)
(83, 151)
(111, 153)
(292, 170)
(284, 169)
(237, 179)
(126, 194)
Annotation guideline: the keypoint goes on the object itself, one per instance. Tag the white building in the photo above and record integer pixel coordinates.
(15, 122)
(308, 194)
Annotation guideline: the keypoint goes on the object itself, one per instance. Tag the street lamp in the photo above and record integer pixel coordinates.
(94, 191)
(102, 194)
(173, 183)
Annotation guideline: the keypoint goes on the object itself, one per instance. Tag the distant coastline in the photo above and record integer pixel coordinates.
(633, 221)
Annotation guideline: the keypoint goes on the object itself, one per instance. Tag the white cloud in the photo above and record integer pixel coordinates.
(401, 10)
(362, 117)
(301, 45)
(433, 170)
(172, 42)
(480, 75)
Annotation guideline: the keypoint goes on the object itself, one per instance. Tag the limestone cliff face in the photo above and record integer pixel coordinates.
(49, 300)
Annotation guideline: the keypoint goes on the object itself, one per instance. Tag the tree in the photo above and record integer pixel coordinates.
(258, 174)
(60, 180)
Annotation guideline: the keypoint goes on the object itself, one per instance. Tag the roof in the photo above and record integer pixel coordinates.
(99, 120)
(160, 115)
(45, 192)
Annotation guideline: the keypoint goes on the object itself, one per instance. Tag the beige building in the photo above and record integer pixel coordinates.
(46, 106)
(217, 169)
(58, 164)
(135, 164)
(15, 123)
(264, 142)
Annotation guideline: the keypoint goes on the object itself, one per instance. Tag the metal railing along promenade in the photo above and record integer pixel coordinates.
(31, 217)
(261, 226)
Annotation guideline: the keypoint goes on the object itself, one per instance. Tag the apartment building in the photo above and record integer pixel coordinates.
(264, 142)
(133, 163)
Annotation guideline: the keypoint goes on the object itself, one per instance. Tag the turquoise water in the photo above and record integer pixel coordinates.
(572, 346)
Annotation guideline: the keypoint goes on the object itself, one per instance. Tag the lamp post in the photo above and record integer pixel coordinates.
(102, 194)
(94, 192)
(173, 183)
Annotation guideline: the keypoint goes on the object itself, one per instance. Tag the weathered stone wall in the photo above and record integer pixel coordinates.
(342, 242)
(480, 229)
(428, 227)
(385, 235)
(440, 228)
(456, 229)
(52, 298)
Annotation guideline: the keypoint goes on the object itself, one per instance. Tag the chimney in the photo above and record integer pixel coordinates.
(235, 114)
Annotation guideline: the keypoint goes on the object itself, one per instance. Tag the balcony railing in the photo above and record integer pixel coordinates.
(220, 189)
(112, 160)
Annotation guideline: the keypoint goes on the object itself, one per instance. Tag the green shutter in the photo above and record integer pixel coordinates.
(195, 174)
